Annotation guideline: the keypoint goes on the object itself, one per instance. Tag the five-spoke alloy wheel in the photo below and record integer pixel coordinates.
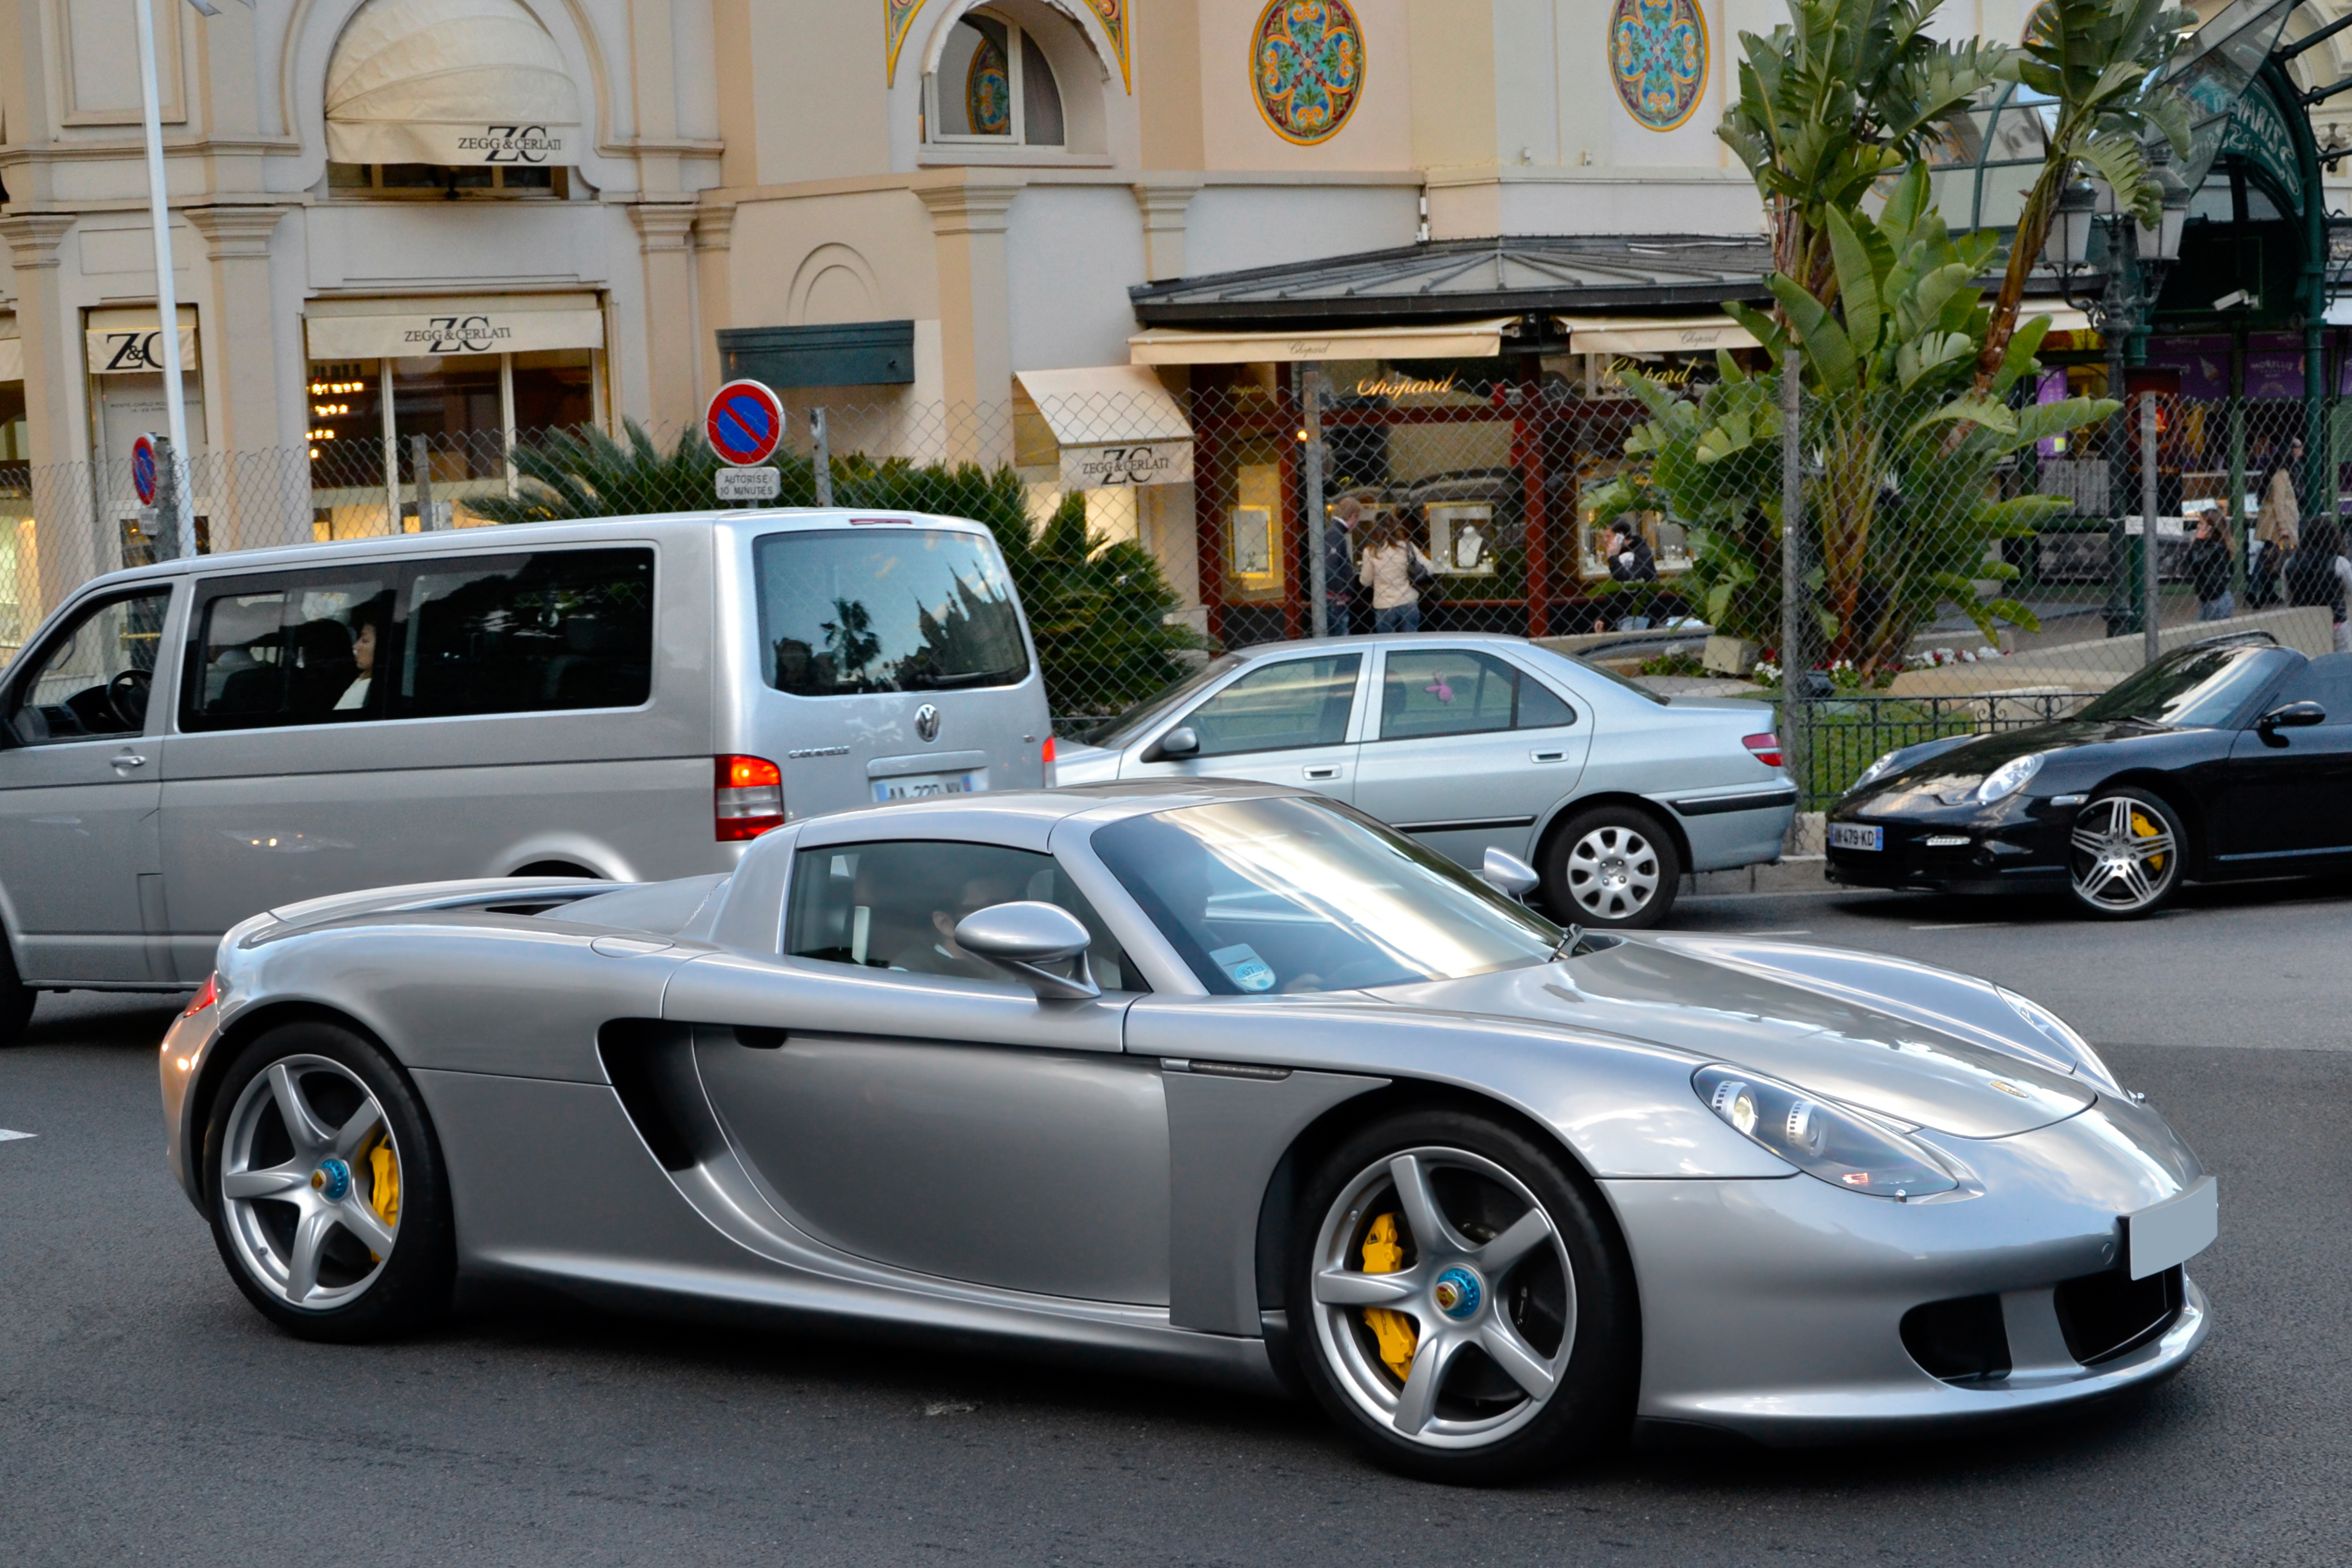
(1612, 866)
(2125, 853)
(1464, 1314)
(326, 1189)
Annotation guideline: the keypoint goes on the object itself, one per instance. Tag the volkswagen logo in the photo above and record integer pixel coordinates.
(926, 722)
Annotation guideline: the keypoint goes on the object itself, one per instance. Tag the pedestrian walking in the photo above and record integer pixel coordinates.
(2209, 559)
(1390, 562)
(2278, 525)
(1631, 559)
(1339, 565)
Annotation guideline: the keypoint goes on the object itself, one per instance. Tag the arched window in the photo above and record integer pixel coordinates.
(1015, 74)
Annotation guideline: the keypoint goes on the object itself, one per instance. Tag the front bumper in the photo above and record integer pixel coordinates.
(1774, 1309)
(2019, 849)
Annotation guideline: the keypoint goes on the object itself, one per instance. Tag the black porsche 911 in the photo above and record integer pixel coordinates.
(2226, 760)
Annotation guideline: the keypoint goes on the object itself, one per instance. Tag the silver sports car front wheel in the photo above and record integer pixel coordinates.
(1458, 1304)
(325, 1187)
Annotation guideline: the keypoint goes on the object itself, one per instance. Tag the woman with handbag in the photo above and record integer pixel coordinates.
(1394, 571)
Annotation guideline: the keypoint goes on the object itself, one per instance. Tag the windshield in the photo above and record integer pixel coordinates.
(1294, 895)
(2194, 688)
(1115, 733)
(886, 608)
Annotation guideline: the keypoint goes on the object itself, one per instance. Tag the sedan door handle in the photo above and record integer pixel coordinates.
(1322, 773)
(1546, 756)
(128, 759)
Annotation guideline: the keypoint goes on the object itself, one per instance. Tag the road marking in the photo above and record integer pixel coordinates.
(1963, 926)
(1785, 931)
(5, 1135)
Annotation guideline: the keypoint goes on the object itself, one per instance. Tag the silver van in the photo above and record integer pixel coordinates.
(187, 744)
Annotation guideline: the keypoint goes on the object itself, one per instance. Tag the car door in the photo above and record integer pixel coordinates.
(79, 790)
(902, 1101)
(1467, 751)
(2288, 793)
(1283, 721)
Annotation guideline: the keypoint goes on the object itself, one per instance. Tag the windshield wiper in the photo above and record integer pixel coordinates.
(1572, 939)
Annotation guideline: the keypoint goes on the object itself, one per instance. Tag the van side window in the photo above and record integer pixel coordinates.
(92, 678)
(302, 648)
(557, 629)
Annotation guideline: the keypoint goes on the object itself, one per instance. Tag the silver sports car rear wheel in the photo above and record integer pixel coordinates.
(325, 1187)
(1462, 1304)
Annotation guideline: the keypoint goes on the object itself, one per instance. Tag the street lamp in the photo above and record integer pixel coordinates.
(2123, 309)
(167, 293)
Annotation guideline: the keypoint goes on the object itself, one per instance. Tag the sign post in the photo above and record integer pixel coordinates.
(745, 424)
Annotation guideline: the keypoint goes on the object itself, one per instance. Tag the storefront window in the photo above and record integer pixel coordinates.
(427, 181)
(555, 389)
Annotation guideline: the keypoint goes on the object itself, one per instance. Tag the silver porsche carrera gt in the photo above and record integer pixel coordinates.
(1227, 1078)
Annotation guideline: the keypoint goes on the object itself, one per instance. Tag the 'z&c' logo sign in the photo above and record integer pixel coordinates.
(512, 144)
(457, 335)
(134, 352)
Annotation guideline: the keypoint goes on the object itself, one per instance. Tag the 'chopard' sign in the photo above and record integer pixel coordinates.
(512, 144)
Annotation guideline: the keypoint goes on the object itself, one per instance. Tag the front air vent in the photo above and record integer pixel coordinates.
(1960, 1340)
(2109, 1313)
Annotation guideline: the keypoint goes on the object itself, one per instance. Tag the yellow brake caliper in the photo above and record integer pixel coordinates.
(384, 1192)
(2144, 826)
(1383, 1254)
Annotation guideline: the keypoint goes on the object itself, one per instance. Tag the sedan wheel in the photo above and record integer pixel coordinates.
(1613, 867)
(1467, 1323)
(326, 1197)
(2124, 855)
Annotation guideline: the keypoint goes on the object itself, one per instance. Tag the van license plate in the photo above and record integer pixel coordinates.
(1854, 836)
(919, 786)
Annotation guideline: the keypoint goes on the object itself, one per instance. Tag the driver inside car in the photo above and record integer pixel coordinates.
(935, 952)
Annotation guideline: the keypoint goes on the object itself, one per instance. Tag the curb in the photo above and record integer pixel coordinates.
(1790, 873)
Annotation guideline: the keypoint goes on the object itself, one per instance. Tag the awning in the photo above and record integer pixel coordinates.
(1654, 334)
(2063, 317)
(451, 82)
(1116, 425)
(455, 324)
(1464, 340)
(121, 340)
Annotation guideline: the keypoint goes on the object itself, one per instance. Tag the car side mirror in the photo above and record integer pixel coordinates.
(1508, 874)
(1178, 743)
(2292, 715)
(1024, 937)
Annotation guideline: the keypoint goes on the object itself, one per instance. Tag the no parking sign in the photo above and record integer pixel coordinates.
(142, 470)
(745, 424)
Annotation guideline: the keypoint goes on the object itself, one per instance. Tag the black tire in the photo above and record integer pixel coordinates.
(1569, 1299)
(358, 1291)
(16, 998)
(2118, 868)
(1611, 867)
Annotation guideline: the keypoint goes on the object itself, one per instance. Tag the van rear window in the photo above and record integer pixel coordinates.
(886, 609)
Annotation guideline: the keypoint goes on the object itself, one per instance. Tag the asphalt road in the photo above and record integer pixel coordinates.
(148, 1415)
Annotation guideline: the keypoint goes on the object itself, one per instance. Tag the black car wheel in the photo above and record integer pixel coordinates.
(1459, 1302)
(1612, 866)
(2125, 856)
(326, 1187)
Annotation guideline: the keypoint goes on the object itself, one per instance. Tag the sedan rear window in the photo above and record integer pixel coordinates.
(849, 611)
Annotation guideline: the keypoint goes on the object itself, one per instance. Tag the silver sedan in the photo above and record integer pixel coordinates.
(1478, 742)
(1218, 1077)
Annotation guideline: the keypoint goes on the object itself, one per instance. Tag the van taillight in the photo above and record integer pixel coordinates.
(1765, 747)
(749, 798)
(1047, 759)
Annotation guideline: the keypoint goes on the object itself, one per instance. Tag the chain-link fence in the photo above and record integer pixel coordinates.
(1955, 575)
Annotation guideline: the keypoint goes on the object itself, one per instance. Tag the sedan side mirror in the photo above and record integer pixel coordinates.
(1508, 874)
(2292, 715)
(1181, 742)
(1024, 937)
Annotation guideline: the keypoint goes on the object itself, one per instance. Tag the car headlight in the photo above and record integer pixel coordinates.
(2058, 1032)
(1873, 773)
(2009, 777)
(1825, 1141)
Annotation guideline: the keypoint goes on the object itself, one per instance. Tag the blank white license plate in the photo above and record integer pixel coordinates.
(2175, 1230)
(920, 786)
(1854, 836)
